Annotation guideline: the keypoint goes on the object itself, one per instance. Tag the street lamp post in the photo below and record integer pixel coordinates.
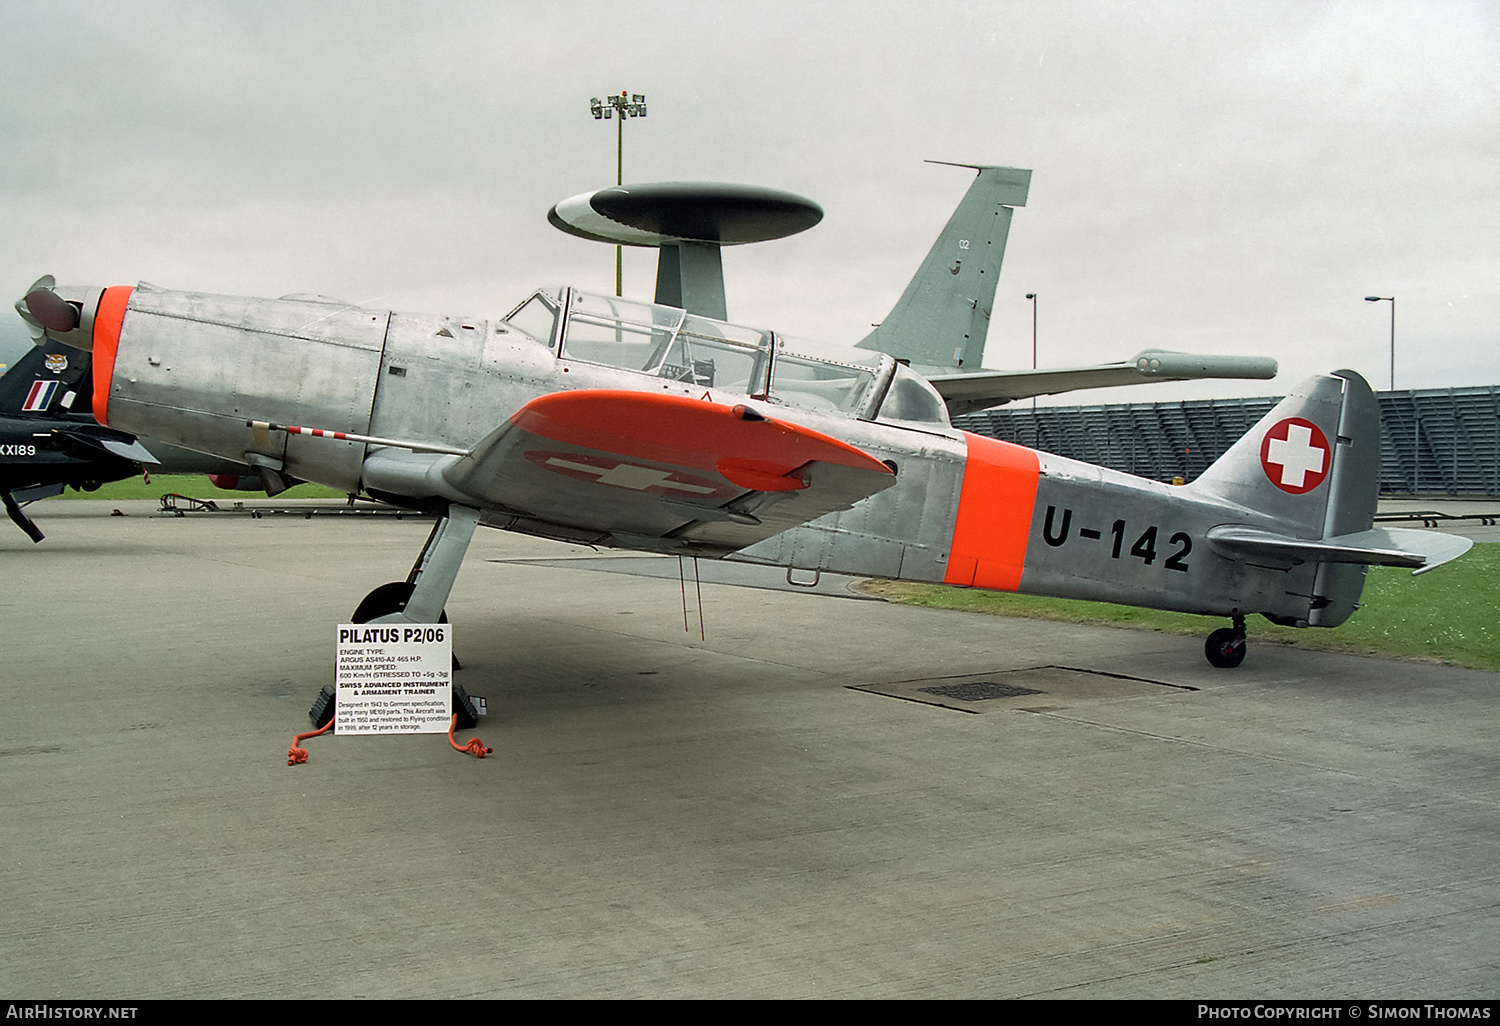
(1036, 429)
(626, 105)
(1032, 296)
(1391, 300)
(1416, 421)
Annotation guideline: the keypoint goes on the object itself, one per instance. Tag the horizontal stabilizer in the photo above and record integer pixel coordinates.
(131, 450)
(86, 441)
(1420, 551)
(965, 393)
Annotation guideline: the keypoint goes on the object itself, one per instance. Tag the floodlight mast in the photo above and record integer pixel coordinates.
(628, 105)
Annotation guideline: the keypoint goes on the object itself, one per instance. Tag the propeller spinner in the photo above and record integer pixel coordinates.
(65, 315)
(51, 311)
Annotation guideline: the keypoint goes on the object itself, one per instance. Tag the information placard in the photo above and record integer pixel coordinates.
(394, 678)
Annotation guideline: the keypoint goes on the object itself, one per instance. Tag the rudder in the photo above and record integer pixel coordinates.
(1353, 493)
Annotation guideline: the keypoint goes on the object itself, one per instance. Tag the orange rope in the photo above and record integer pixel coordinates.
(475, 747)
(294, 755)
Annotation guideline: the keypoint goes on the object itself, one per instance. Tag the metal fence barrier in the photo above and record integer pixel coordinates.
(1440, 441)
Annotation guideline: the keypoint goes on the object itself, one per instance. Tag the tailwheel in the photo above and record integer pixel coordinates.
(391, 598)
(1225, 647)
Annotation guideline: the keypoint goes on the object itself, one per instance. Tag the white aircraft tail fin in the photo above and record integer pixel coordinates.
(1312, 465)
(943, 317)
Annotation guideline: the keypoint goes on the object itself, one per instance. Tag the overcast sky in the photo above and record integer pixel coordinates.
(1214, 177)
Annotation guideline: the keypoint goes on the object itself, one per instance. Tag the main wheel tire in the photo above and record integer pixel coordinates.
(1225, 648)
(384, 600)
(391, 598)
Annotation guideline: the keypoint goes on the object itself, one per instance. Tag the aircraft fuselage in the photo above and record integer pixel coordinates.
(211, 373)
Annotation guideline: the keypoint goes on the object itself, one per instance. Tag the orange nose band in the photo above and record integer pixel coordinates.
(107, 323)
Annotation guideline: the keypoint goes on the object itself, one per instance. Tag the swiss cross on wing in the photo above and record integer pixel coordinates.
(619, 472)
(1295, 455)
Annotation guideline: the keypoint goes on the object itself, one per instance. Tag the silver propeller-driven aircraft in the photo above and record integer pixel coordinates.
(608, 421)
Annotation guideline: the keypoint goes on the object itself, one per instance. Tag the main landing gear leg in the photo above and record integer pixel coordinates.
(1225, 647)
(420, 598)
(13, 510)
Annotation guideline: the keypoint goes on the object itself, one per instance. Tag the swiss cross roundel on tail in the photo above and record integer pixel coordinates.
(1295, 455)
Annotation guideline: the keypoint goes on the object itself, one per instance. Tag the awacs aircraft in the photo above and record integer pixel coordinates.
(940, 323)
(607, 421)
(46, 444)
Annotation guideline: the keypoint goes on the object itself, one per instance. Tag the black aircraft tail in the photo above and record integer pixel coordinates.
(49, 381)
(48, 436)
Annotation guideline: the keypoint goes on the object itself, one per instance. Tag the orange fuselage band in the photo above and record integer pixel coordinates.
(107, 323)
(994, 515)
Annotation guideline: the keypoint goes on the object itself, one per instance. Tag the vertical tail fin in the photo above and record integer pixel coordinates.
(1312, 465)
(943, 317)
(1317, 444)
(46, 381)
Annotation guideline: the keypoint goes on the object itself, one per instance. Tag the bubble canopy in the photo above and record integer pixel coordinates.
(671, 343)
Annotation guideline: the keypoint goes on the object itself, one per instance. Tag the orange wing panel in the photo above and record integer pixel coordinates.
(688, 433)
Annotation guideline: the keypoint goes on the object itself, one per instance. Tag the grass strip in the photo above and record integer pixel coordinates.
(1448, 616)
(1451, 615)
(196, 485)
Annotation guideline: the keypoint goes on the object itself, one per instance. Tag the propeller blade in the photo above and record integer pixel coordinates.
(33, 327)
(51, 311)
(37, 332)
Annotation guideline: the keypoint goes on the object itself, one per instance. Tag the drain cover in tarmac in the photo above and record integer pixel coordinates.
(1036, 689)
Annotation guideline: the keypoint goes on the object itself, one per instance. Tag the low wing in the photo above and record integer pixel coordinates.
(644, 471)
(965, 393)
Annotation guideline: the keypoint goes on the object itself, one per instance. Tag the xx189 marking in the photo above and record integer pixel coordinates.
(1144, 547)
